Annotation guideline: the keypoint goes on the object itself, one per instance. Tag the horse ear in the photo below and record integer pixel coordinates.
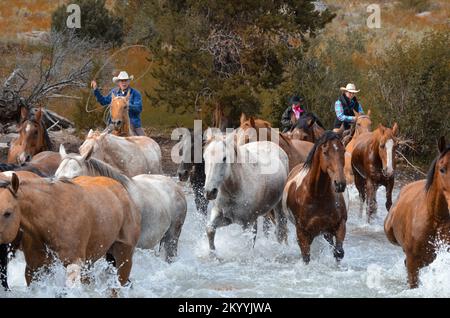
(442, 144)
(113, 95)
(310, 122)
(62, 151)
(395, 129)
(127, 97)
(252, 122)
(38, 115)
(24, 112)
(88, 154)
(356, 113)
(243, 118)
(90, 133)
(381, 128)
(15, 183)
(341, 130)
(369, 113)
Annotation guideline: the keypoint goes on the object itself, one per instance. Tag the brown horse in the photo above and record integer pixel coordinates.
(120, 119)
(313, 199)
(373, 164)
(363, 124)
(307, 128)
(421, 216)
(250, 129)
(33, 138)
(81, 220)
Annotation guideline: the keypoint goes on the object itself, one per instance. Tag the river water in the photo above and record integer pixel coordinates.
(372, 267)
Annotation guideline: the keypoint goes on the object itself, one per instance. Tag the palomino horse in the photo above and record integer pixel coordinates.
(82, 220)
(313, 199)
(246, 182)
(120, 119)
(307, 128)
(373, 164)
(160, 200)
(131, 155)
(250, 130)
(420, 218)
(363, 124)
(33, 138)
(192, 169)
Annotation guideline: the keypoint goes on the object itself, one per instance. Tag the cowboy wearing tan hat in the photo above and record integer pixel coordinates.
(123, 87)
(345, 105)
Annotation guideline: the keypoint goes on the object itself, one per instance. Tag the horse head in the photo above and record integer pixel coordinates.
(252, 129)
(120, 119)
(187, 149)
(307, 128)
(72, 165)
(363, 123)
(439, 172)
(386, 144)
(9, 209)
(33, 138)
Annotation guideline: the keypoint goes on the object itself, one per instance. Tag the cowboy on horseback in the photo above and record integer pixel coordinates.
(344, 107)
(122, 89)
(294, 111)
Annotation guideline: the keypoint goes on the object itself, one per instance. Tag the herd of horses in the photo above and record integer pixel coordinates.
(112, 197)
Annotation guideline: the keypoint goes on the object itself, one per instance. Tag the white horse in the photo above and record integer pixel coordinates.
(130, 155)
(161, 201)
(246, 182)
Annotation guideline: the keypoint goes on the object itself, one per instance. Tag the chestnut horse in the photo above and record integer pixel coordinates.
(421, 216)
(312, 197)
(250, 129)
(131, 155)
(373, 164)
(363, 124)
(307, 128)
(120, 119)
(33, 138)
(81, 221)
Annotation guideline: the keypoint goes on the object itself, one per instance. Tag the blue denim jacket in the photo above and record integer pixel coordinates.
(135, 103)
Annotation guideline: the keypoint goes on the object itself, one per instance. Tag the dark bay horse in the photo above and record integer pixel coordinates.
(33, 138)
(313, 199)
(373, 164)
(81, 221)
(421, 216)
(307, 128)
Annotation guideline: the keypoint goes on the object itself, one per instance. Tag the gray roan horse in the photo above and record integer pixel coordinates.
(246, 182)
(161, 201)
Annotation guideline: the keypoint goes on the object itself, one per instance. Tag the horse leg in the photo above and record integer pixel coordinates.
(360, 185)
(413, 267)
(170, 241)
(266, 225)
(329, 238)
(123, 256)
(216, 220)
(304, 241)
(4, 265)
(371, 200)
(201, 203)
(389, 188)
(281, 229)
(73, 274)
(340, 236)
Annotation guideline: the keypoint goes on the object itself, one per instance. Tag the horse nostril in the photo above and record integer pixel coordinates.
(212, 194)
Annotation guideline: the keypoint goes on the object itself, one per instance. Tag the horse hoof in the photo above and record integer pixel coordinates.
(306, 259)
(339, 254)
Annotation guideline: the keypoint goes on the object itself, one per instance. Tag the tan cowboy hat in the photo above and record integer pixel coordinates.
(122, 76)
(350, 88)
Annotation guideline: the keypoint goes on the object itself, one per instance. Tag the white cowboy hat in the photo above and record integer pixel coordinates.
(350, 88)
(122, 76)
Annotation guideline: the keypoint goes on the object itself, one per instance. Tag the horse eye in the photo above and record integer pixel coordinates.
(7, 214)
(224, 159)
(382, 146)
(443, 170)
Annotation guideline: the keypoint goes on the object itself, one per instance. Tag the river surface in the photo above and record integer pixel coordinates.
(372, 267)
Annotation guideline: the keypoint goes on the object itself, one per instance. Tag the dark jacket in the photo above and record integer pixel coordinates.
(286, 123)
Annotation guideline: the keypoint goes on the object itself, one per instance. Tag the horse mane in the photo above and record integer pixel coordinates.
(101, 168)
(302, 122)
(24, 167)
(4, 184)
(431, 171)
(327, 136)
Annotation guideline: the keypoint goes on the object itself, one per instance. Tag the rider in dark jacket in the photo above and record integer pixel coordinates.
(296, 109)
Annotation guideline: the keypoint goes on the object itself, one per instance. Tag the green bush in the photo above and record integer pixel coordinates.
(416, 5)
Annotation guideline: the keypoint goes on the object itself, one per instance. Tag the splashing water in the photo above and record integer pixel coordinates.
(372, 267)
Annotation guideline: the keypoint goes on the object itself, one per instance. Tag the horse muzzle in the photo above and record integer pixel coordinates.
(183, 175)
(339, 186)
(23, 157)
(211, 194)
(387, 173)
(117, 124)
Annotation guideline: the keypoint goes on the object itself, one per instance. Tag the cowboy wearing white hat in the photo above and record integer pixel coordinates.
(345, 105)
(123, 87)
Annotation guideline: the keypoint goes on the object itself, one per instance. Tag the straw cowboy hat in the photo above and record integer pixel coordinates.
(123, 76)
(350, 88)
